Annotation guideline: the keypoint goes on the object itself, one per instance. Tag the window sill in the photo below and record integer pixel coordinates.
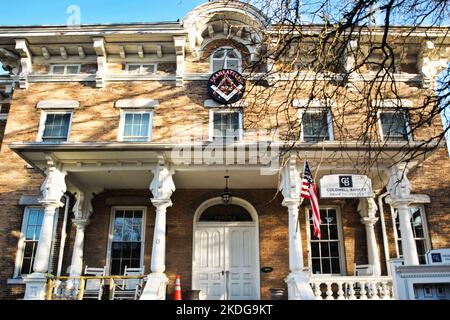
(15, 281)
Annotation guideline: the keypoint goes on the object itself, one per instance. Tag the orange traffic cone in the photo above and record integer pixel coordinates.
(177, 294)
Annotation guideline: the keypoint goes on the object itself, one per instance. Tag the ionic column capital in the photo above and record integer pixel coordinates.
(80, 223)
(161, 203)
(291, 202)
(369, 221)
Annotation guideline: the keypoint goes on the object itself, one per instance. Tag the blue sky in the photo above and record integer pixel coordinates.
(31, 12)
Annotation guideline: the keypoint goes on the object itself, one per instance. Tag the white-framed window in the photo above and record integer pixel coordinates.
(394, 125)
(326, 255)
(135, 125)
(420, 232)
(226, 125)
(54, 126)
(226, 58)
(126, 239)
(140, 68)
(65, 69)
(29, 238)
(316, 125)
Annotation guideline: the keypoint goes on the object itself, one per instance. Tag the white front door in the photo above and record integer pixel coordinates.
(226, 262)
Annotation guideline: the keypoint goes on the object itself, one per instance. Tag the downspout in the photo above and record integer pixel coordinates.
(63, 235)
(383, 232)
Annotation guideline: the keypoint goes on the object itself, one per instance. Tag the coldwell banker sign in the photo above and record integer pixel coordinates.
(226, 86)
(345, 186)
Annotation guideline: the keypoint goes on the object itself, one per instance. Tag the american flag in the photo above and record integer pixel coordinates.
(309, 192)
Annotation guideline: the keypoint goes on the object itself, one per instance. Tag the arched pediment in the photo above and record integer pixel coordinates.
(219, 20)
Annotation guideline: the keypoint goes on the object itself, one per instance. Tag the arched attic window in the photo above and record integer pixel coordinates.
(226, 58)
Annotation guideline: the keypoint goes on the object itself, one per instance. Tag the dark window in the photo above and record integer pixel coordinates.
(225, 213)
(227, 125)
(315, 126)
(127, 240)
(325, 253)
(394, 126)
(56, 127)
(32, 230)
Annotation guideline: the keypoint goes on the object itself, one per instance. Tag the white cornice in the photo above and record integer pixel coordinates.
(58, 104)
(137, 103)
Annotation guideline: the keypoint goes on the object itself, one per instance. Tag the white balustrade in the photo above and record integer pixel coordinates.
(352, 288)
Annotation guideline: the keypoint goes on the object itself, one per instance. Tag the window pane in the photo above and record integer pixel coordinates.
(315, 249)
(316, 266)
(58, 69)
(148, 69)
(324, 249)
(334, 249)
(72, 70)
(134, 68)
(326, 268)
(394, 125)
(219, 54)
(335, 266)
(233, 64)
(218, 65)
(315, 126)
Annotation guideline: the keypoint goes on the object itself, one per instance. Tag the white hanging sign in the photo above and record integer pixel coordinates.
(346, 186)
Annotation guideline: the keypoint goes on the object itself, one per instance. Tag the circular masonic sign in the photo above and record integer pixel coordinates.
(226, 86)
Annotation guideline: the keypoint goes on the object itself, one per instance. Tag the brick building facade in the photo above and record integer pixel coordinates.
(158, 74)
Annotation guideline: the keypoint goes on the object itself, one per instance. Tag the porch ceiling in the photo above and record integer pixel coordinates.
(198, 179)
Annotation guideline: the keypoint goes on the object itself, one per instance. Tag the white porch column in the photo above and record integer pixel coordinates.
(52, 190)
(400, 198)
(162, 187)
(295, 242)
(82, 211)
(367, 209)
(158, 262)
(409, 247)
(298, 279)
(76, 266)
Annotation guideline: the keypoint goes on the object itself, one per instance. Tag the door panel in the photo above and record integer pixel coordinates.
(209, 262)
(242, 278)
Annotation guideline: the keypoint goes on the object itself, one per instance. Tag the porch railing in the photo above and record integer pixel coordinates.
(352, 288)
(74, 288)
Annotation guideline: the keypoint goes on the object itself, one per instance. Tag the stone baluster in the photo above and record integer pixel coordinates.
(317, 291)
(329, 290)
(351, 291)
(340, 291)
(363, 291)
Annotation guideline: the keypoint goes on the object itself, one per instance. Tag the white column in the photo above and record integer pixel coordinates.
(400, 198)
(76, 266)
(409, 247)
(41, 260)
(158, 262)
(372, 247)
(162, 187)
(295, 241)
(52, 191)
(298, 279)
